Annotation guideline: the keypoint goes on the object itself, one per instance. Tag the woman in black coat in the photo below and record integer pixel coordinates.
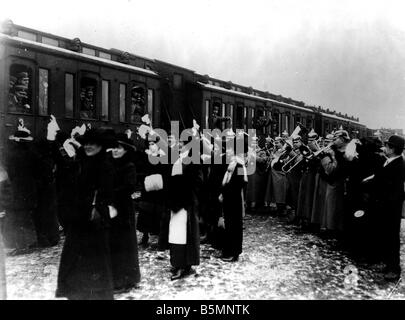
(233, 182)
(123, 241)
(21, 164)
(184, 185)
(85, 266)
(151, 204)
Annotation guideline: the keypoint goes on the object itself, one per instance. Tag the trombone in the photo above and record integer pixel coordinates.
(307, 154)
(292, 163)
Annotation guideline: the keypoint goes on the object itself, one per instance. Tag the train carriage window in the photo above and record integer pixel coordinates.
(150, 104)
(287, 123)
(275, 124)
(89, 51)
(309, 123)
(207, 113)
(88, 101)
(123, 90)
(137, 103)
(177, 81)
(104, 55)
(27, 35)
(105, 90)
(20, 89)
(43, 92)
(297, 120)
(239, 116)
(50, 41)
(69, 95)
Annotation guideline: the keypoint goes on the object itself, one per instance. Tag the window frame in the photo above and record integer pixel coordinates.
(178, 87)
(207, 108)
(73, 96)
(125, 102)
(97, 96)
(100, 117)
(48, 93)
(150, 112)
(28, 65)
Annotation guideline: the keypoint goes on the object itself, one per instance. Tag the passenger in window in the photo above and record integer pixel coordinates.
(87, 102)
(18, 93)
(137, 104)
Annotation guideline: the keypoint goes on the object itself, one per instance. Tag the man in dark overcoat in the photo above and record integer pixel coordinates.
(388, 184)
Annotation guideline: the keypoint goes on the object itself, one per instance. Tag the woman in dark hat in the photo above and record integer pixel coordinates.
(85, 266)
(233, 182)
(184, 188)
(123, 241)
(152, 200)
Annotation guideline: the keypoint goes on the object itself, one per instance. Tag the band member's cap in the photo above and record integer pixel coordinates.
(296, 138)
(341, 134)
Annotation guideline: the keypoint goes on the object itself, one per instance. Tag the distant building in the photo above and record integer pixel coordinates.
(385, 133)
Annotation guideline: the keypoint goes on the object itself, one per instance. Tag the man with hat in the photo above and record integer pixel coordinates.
(335, 166)
(294, 177)
(318, 206)
(388, 194)
(307, 183)
(278, 178)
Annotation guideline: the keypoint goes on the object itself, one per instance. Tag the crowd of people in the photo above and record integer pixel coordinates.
(98, 187)
(338, 186)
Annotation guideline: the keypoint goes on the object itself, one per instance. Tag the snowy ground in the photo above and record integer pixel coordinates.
(278, 262)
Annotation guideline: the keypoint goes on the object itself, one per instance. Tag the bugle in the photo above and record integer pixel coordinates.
(324, 149)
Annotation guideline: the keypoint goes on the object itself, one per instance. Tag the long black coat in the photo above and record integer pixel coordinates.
(22, 165)
(66, 178)
(123, 240)
(389, 195)
(182, 192)
(233, 211)
(45, 215)
(85, 266)
(151, 204)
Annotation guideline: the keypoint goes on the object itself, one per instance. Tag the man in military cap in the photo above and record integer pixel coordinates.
(335, 167)
(388, 182)
(307, 184)
(294, 176)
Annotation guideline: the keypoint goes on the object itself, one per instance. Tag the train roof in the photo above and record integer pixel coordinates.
(68, 52)
(252, 96)
(337, 117)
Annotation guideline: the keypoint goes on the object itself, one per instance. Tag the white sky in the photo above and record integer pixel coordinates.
(344, 55)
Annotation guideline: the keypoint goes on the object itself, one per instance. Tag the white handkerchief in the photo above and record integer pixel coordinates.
(178, 227)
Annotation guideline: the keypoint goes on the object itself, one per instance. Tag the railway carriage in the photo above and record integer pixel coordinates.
(76, 82)
(43, 74)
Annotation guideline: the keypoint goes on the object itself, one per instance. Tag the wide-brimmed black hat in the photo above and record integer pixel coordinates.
(396, 141)
(123, 140)
(104, 137)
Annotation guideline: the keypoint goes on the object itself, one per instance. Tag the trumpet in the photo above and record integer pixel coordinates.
(324, 149)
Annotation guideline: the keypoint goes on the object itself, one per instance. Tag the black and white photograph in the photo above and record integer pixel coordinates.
(202, 150)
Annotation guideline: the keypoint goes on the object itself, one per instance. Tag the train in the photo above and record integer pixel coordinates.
(43, 74)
